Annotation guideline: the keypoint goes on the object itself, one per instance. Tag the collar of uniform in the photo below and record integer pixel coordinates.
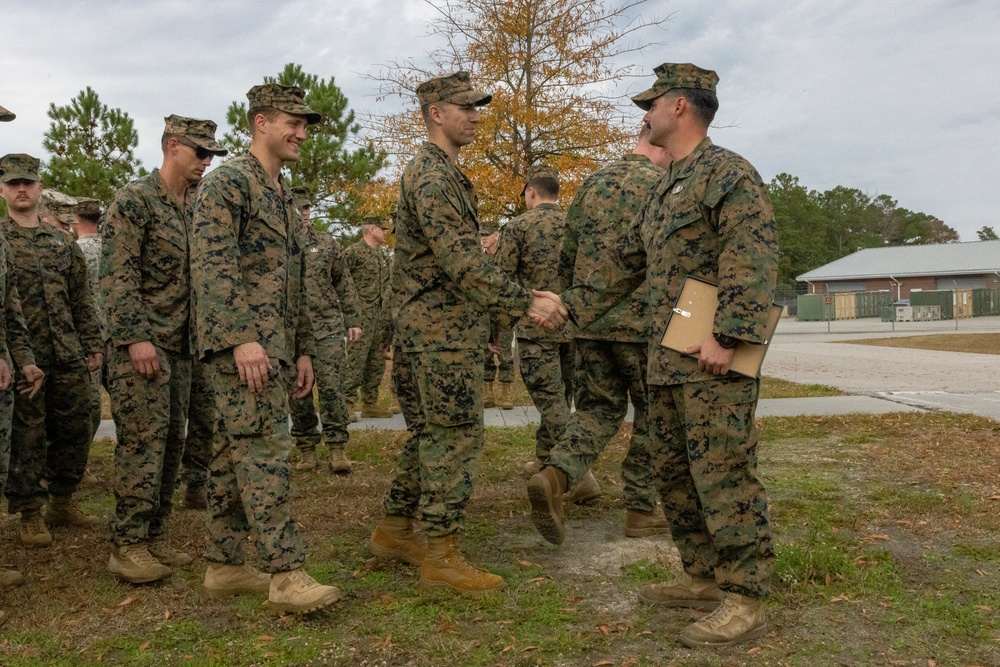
(682, 168)
(439, 153)
(263, 177)
(634, 157)
(548, 206)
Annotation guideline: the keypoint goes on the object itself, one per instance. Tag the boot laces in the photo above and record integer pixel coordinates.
(722, 614)
(140, 555)
(35, 523)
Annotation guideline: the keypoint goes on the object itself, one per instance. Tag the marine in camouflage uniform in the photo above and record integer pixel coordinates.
(709, 218)
(499, 367)
(88, 215)
(443, 289)
(612, 350)
(251, 320)
(333, 309)
(202, 421)
(527, 252)
(50, 433)
(146, 291)
(368, 266)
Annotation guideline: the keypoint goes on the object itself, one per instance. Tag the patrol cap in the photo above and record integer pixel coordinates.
(301, 195)
(539, 171)
(87, 206)
(197, 131)
(383, 222)
(290, 99)
(676, 75)
(6, 115)
(18, 166)
(60, 205)
(487, 227)
(455, 88)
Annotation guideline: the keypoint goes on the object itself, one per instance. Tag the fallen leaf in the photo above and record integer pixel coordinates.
(875, 538)
(506, 648)
(984, 607)
(931, 663)
(755, 650)
(145, 645)
(166, 614)
(980, 573)
(129, 600)
(603, 663)
(528, 648)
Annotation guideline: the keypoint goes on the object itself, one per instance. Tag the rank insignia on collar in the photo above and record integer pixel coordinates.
(677, 189)
(313, 249)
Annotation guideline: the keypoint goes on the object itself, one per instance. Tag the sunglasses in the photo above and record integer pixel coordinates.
(200, 153)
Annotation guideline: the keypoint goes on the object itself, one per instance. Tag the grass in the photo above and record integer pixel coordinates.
(984, 343)
(884, 533)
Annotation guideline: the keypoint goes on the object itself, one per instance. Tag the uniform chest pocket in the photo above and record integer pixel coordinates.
(57, 258)
(681, 212)
(167, 235)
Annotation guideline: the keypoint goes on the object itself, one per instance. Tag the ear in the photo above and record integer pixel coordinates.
(434, 113)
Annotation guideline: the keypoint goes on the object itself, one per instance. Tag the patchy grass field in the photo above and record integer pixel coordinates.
(886, 554)
(984, 343)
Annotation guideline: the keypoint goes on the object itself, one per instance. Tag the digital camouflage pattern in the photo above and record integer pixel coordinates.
(333, 305)
(703, 452)
(247, 276)
(439, 462)
(18, 166)
(145, 281)
(246, 264)
(146, 294)
(454, 88)
(56, 299)
(201, 426)
(527, 251)
(602, 210)
(289, 99)
(150, 417)
(710, 218)
(90, 244)
(248, 483)
(676, 75)
(369, 267)
(6, 116)
(608, 375)
(198, 131)
(545, 369)
(442, 284)
(500, 367)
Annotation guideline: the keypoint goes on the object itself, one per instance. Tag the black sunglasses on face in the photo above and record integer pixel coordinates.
(199, 152)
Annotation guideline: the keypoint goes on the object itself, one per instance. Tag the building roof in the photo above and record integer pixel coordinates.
(940, 259)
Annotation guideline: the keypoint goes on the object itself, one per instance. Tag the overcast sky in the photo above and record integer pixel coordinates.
(898, 97)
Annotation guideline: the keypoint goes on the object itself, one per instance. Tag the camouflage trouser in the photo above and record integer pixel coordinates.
(703, 450)
(500, 367)
(58, 415)
(607, 375)
(202, 418)
(365, 364)
(150, 416)
(95, 401)
(441, 396)
(328, 366)
(248, 476)
(6, 414)
(543, 367)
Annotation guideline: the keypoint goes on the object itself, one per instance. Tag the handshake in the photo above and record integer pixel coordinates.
(547, 310)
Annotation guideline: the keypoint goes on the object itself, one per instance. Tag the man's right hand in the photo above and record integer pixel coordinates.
(547, 309)
(253, 365)
(5, 376)
(144, 359)
(31, 380)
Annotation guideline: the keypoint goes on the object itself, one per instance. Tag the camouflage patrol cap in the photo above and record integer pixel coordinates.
(539, 171)
(199, 132)
(301, 195)
(59, 205)
(676, 75)
(87, 206)
(18, 166)
(487, 227)
(6, 115)
(383, 222)
(290, 99)
(455, 88)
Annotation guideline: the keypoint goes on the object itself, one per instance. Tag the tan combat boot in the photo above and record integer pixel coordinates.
(134, 564)
(489, 397)
(34, 532)
(395, 538)
(63, 511)
(224, 580)
(373, 411)
(545, 492)
(584, 491)
(166, 554)
(444, 567)
(531, 468)
(684, 591)
(339, 463)
(295, 592)
(353, 409)
(307, 461)
(737, 619)
(506, 398)
(196, 497)
(10, 578)
(394, 408)
(645, 524)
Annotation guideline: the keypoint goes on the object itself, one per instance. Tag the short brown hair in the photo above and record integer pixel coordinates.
(269, 113)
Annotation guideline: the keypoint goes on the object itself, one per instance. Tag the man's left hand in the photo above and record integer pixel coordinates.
(304, 376)
(94, 361)
(712, 357)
